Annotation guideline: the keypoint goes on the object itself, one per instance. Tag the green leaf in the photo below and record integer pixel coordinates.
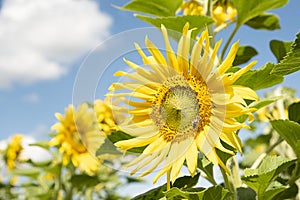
(186, 181)
(244, 54)
(116, 136)
(289, 193)
(294, 111)
(42, 144)
(290, 132)
(177, 23)
(264, 102)
(154, 194)
(264, 21)
(32, 172)
(246, 193)
(212, 193)
(280, 48)
(274, 189)
(207, 167)
(153, 7)
(260, 179)
(291, 62)
(81, 181)
(261, 78)
(249, 9)
(107, 148)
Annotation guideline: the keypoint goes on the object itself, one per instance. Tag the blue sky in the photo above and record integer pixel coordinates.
(50, 50)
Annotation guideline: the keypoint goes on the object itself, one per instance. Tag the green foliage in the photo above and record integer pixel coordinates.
(290, 132)
(264, 102)
(176, 23)
(244, 54)
(262, 179)
(264, 21)
(82, 181)
(261, 78)
(212, 193)
(154, 7)
(294, 111)
(32, 172)
(291, 62)
(248, 10)
(280, 49)
(246, 193)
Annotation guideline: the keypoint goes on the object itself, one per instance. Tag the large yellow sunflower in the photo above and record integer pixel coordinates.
(76, 132)
(181, 105)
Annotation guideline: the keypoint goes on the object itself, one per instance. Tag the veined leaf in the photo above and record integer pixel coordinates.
(212, 193)
(260, 179)
(264, 21)
(264, 102)
(177, 23)
(249, 9)
(290, 132)
(280, 48)
(291, 62)
(244, 54)
(261, 78)
(155, 193)
(153, 7)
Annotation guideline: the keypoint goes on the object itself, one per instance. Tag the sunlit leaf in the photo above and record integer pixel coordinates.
(244, 54)
(264, 102)
(212, 193)
(155, 193)
(280, 48)
(32, 172)
(42, 144)
(261, 78)
(291, 62)
(186, 181)
(290, 132)
(153, 7)
(107, 148)
(249, 9)
(264, 21)
(177, 23)
(261, 178)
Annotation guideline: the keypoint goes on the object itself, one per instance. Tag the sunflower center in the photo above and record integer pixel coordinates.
(182, 107)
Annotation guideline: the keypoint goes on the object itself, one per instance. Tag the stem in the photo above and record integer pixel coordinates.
(229, 185)
(262, 156)
(210, 29)
(211, 180)
(58, 183)
(168, 180)
(236, 178)
(295, 175)
(229, 41)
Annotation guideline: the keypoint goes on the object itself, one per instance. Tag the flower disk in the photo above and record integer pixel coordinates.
(181, 105)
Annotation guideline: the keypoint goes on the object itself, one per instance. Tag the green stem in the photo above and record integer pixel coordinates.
(229, 185)
(229, 41)
(295, 175)
(211, 180)
(210, 27)
(58, 183)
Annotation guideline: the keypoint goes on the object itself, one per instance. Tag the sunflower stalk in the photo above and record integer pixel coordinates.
(229, 184)
(209, 7)
(229, 41)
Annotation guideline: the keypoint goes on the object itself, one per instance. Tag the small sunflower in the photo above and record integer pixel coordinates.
(76, 132)
(13, 151)
(181, 105)
(104, 116)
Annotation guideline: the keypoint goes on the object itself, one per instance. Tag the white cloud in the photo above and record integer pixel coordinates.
(41, 38)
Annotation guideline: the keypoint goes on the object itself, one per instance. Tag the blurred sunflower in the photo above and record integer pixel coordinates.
(104, 116)
(222, 12)
(181, 105)
(76, 132)
(13, 151)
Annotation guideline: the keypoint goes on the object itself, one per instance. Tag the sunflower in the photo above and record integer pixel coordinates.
(181, 105)
(222, 12)
(76, 132)
(13, 151)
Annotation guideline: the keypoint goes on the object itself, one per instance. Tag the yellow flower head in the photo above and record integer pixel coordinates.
(104, 116)
(181, 105)
(76, 132)
(13, 151)
(222, 13)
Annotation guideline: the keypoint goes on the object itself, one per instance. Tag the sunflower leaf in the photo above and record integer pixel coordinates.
(32, 172)
(261, 78)
(264, 21)
(215, 192)
(291, 62)
(176, 23)
(155, 193)
(280, 48)
(294, 111)
(153, 7)
(246, 193)
(290, 132)
(244, 54)
(264, 102)
(82, 181)
(186, 181)
(247, 10)
(261, 179)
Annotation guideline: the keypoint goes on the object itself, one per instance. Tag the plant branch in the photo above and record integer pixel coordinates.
(228, 184)
(229, 41)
